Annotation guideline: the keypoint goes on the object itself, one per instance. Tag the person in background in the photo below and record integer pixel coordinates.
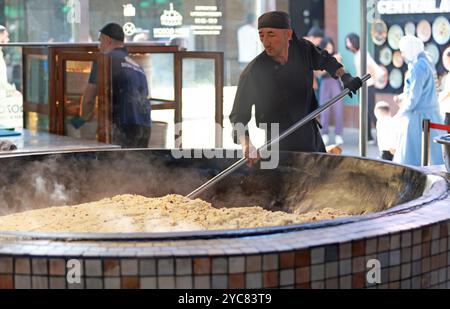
(386, 131)
(315, 35)
(248, 44)
(4, 39)
(418, 102)
(131, 109)
(352, 43)
(330, 88)
(279, 83)
(444, 96)
(6, 89)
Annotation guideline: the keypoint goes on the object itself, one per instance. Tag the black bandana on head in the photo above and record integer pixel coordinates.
(276, 19)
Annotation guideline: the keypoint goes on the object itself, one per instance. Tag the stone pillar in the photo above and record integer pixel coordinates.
(331, 20)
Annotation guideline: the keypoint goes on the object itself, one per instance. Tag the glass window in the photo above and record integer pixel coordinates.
(208, 25)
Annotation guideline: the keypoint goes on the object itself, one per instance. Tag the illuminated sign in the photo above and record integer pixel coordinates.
(206, 19)
(129, 29)
(390, 7)
(206, 22)
(129, 10)
(11, 110)
(171, 18)
(170, 32)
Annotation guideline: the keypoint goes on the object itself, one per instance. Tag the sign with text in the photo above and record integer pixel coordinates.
(391, 7)
(171, 22)
(11, 112)
(206, 20)
(129, 10)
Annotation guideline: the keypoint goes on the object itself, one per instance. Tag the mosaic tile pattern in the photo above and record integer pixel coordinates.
(408, 259)
(409, 251)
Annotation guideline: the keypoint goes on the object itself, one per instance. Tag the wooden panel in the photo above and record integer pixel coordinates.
(351, 116)
(331, 22)
(104, 91)
(178, 83)
(58, 54)
(36, 108)
(219, 100)
(162, 104)
(52, 83)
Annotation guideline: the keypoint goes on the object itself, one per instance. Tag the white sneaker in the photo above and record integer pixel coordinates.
(326, 139)
(339, 140)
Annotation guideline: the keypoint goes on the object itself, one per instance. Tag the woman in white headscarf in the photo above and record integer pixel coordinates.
(419, 102)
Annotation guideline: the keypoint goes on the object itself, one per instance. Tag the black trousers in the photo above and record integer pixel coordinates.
(131, 136)
(307, 140)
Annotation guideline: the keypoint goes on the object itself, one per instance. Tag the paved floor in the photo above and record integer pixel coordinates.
(351, 144)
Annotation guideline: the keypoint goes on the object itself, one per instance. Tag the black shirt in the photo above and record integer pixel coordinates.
(284, 94)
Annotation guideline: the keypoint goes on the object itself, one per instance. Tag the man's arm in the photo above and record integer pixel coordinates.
(322, 60)
(239, 119)
(87, 105)
(249, 151)
(241, 115)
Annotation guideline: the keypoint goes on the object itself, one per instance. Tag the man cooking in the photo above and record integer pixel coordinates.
(279, 82)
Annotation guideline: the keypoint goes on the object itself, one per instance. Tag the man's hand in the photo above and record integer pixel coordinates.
(351, 83)
(250, 152)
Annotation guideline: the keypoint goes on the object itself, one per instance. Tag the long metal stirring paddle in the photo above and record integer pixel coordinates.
(295, 127)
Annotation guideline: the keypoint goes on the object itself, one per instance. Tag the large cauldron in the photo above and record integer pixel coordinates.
(397, 212)
(444, 140)
(303, 182)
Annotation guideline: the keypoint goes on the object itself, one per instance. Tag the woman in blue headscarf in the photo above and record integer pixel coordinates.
(419, 102)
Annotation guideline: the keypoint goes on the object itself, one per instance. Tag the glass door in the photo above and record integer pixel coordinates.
(199, 88)
(83, 105)
(36, 93)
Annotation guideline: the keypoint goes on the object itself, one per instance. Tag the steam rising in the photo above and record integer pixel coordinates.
(61, 180)
(309, 183)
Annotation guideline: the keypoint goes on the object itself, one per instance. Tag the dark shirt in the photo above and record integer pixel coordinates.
(284, 94)
(130, 90)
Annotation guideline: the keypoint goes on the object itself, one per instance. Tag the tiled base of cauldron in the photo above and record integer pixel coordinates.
(412, 248)
(418, 258)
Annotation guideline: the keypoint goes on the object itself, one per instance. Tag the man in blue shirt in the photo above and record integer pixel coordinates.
(131, 109)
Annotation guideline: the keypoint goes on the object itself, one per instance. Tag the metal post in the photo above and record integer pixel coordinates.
(425, 142)
(363, 111)
(84, 35)
(447, 118)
